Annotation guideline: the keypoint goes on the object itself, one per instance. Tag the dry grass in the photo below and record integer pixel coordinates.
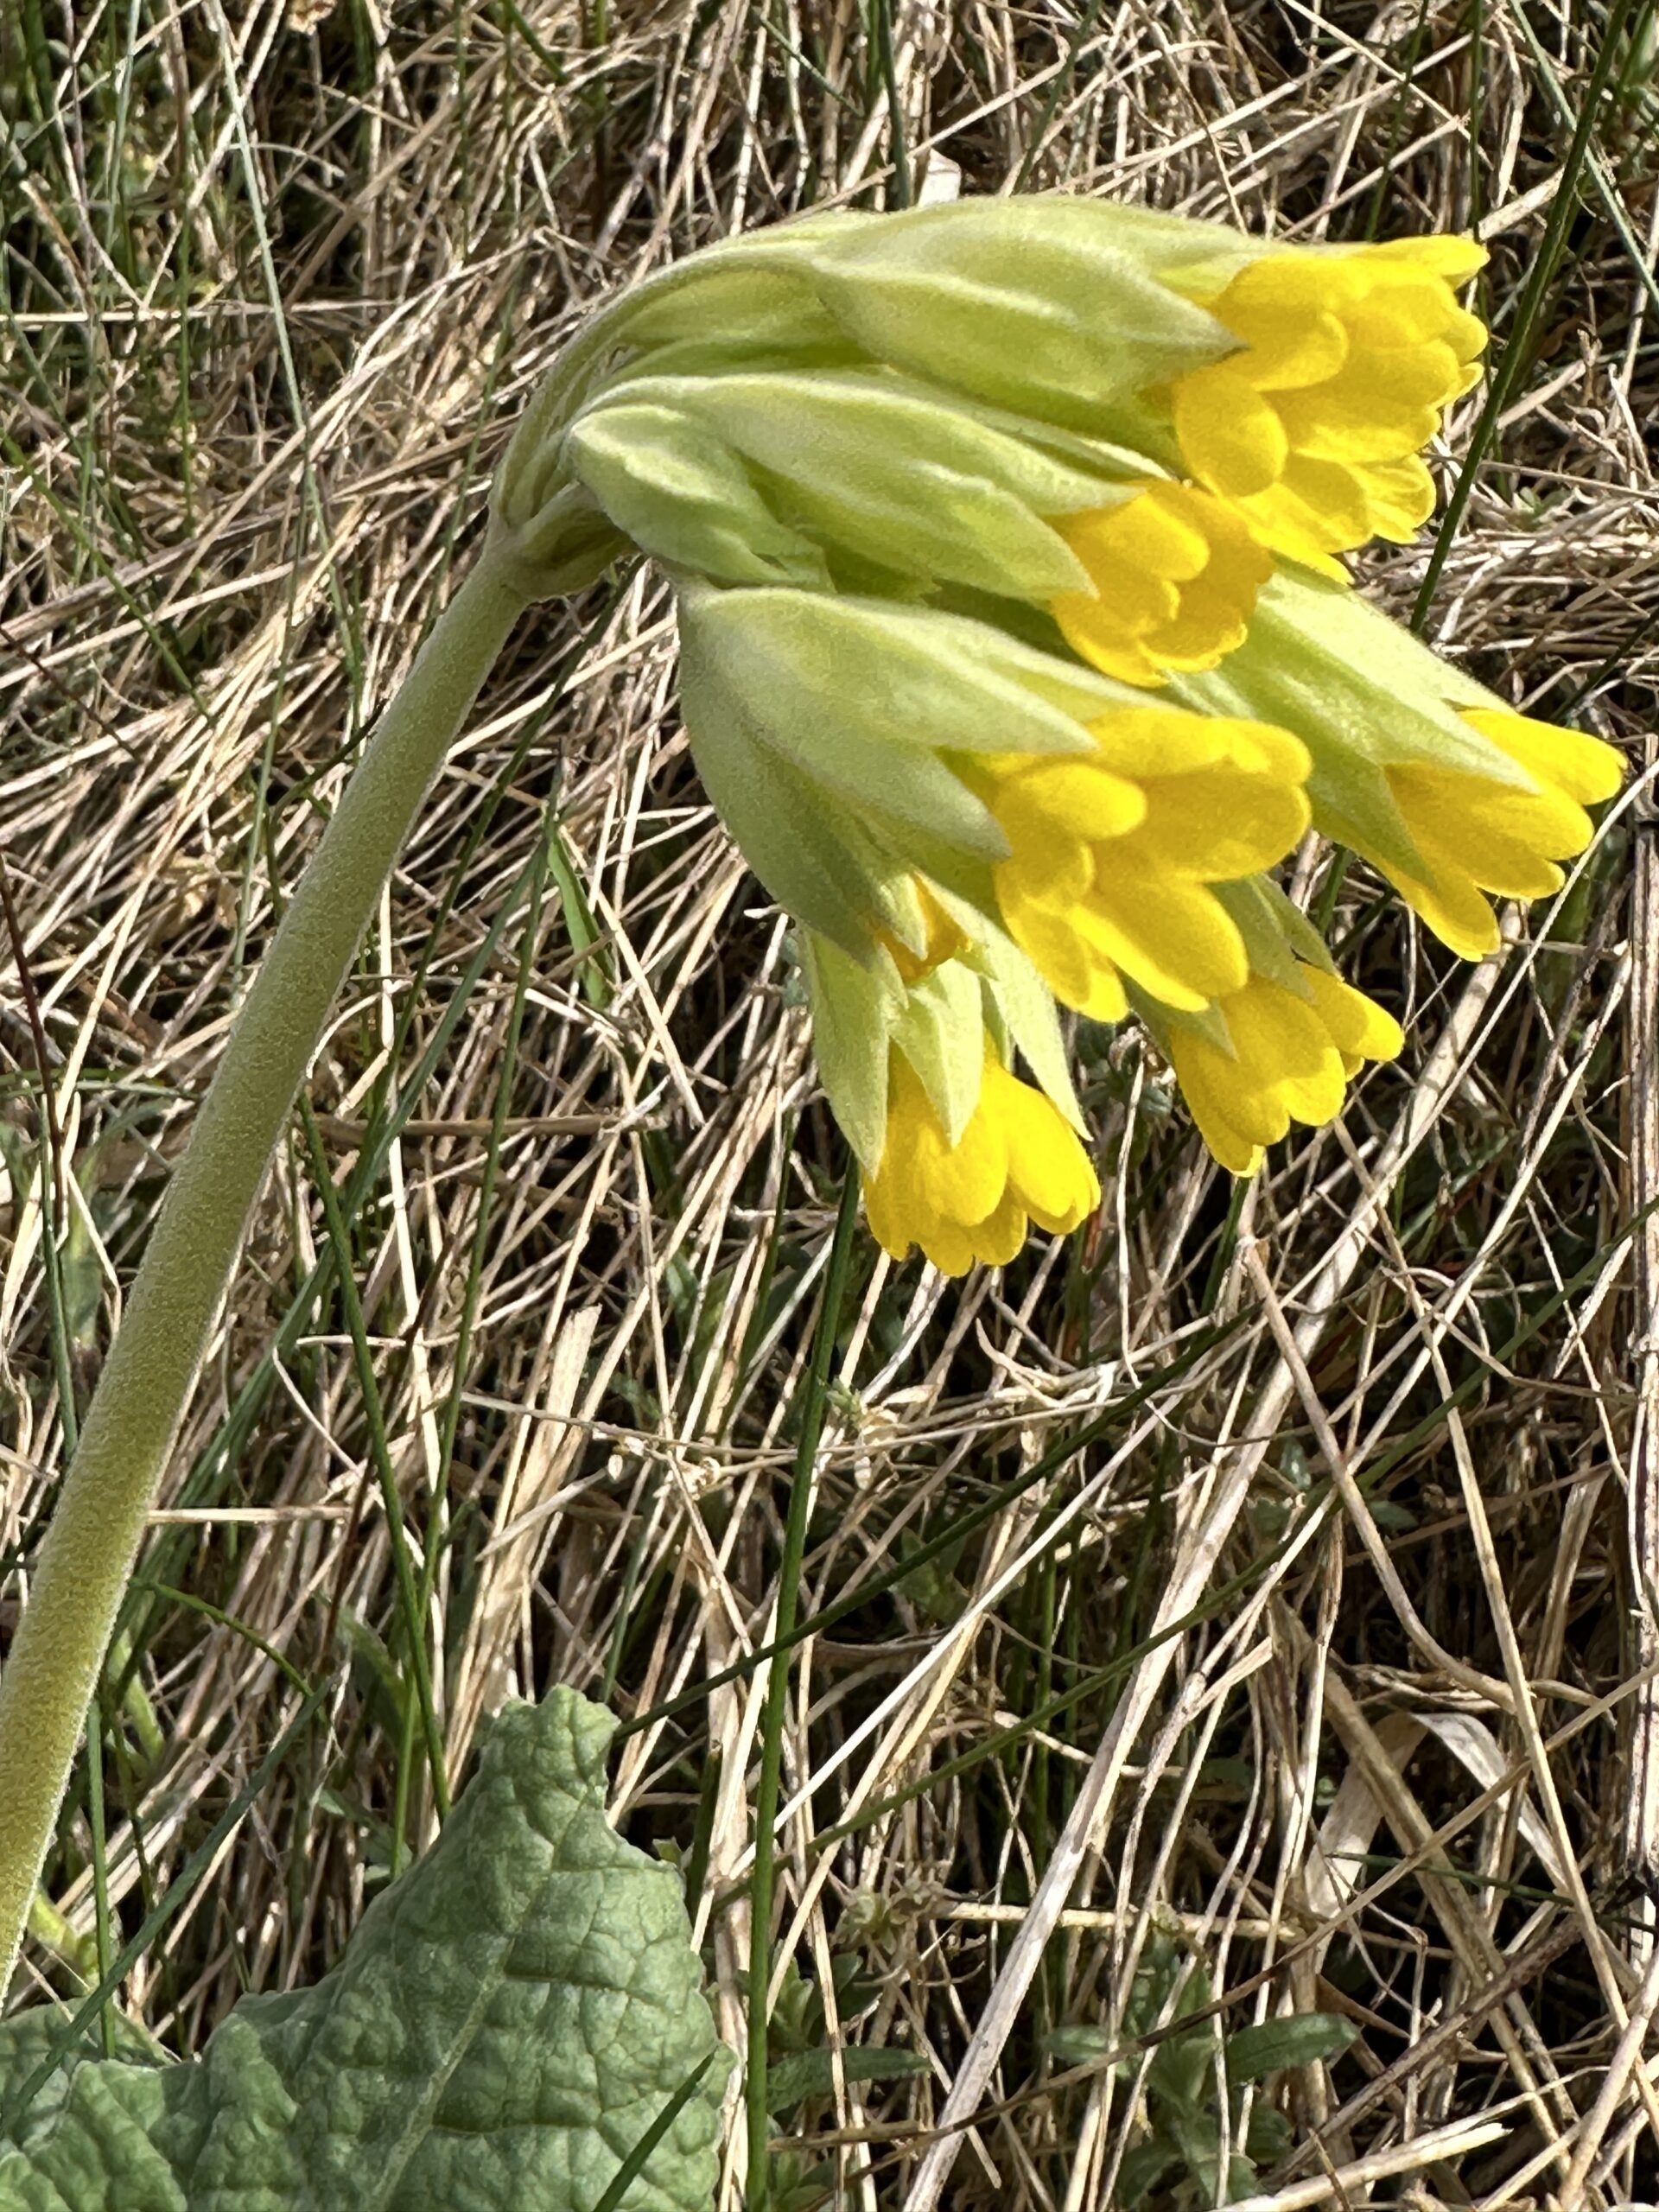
(1246, 1591)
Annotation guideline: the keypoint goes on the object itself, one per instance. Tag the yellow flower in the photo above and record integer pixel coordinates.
(1112, 854)
(1017, 1161)
(1175, 572)
(1476, 834)
(1291, 1061)
(1313, 430)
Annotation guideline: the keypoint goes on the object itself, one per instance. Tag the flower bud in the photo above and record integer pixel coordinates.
(897, 475)
(671, 483)
(1048, 305)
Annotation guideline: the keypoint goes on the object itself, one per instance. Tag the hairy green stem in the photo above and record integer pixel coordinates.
(128, 1435)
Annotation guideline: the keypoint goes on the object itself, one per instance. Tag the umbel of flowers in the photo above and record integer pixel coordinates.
(1018, 654)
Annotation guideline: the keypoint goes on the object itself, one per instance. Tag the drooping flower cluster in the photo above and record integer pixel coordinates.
(1017, 655)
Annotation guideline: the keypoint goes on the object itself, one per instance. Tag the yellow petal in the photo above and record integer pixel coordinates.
(1498, 835)
(1232, 439)
(1360, 1028)
(1046, 864)
(1360, 424)
(1288, 347)
(1453, 908)
(1398, 498)
(1582, 766)
(1233, 1094)
(1220, 825)
(1264, 749)
(1151, 740)
(996, 1240)
(1286, 1051)
(1452, 258)
(1293, 526)
(1084, 796)
(1079, 974)
(1155, 532)
(1336, 493)
(1207, 1102)
(1176, 574)
(965, 1181)
(1175, 939)
(885, 1210)
(1104, 644)
(1300, 282)
(1049, 1172)
(949, 1247)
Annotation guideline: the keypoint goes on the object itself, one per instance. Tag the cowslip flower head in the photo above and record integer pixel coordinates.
(893, 465)
(1281, 1048)
(1113, 854)
(1415, 766)
(1349, 357)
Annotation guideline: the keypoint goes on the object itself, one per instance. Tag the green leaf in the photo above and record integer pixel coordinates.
(508, 2022)
(1080, 2045)
(1269, 2136)
(811, 2073)
(1271, 2045)
(45, 2047)
(1181, 2069)
(1254, 903)
(1143, 2169)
